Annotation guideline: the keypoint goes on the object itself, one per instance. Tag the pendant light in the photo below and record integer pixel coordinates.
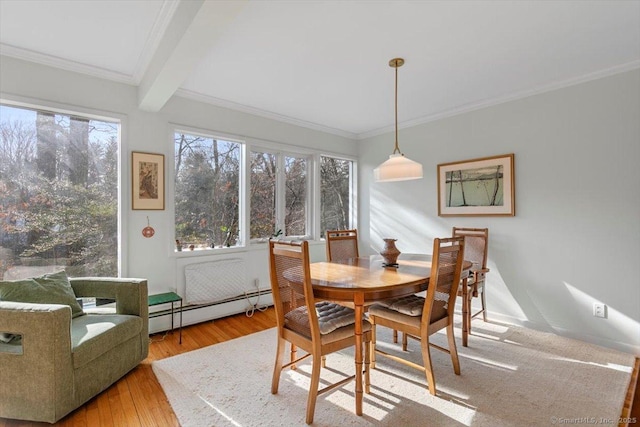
(398, 167)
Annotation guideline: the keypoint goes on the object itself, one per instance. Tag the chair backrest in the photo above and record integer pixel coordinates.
(446, 269)
(342, 244)
(291, 286)
(476, 244)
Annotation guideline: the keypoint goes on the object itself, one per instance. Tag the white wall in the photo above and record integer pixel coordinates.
(154, 258)
(575, 238)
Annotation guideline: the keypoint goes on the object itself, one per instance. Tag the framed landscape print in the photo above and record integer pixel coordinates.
(477, 187)
(147, 181)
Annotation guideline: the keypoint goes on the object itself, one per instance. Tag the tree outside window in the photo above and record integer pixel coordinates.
(58, 194)
(207, 191)
(279, 201)
(263, 195)
(296, 196)
(336, 194)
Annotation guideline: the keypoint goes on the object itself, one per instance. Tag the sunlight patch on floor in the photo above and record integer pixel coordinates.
(228, 418)
(613, 366)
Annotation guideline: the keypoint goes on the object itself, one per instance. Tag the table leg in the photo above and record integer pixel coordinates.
(359, 311)
(180, 320)
(172, 317)
(465, 312)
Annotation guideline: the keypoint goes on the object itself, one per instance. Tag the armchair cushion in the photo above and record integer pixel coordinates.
(91, 334)
(53, 288)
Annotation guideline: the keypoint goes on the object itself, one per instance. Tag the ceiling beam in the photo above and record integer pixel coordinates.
(195, 27)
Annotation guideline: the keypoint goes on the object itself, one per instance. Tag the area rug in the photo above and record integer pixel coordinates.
(510, 376)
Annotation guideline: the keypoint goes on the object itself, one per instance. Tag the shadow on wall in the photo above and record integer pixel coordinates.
(399, 215)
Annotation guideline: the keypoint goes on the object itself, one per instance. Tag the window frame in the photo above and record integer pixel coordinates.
(280, 191)
(248, 145)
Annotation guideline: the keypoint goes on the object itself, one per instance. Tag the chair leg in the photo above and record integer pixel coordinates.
(453, 351)
(405, 341)
(293, 356)
(367, 363)
(313, 389)
(277, 368)
(395, 336)
(484, 306)
(324, 361)
(428, 367)
(372, 346)
(469, 310)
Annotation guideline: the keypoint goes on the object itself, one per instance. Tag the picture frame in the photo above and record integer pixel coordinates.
(477, 187)
(147, 181)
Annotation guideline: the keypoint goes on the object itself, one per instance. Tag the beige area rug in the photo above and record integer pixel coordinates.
(510, 376)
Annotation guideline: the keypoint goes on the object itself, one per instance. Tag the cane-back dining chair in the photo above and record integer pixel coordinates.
(475, 250)
(342, 244)
(318, 328)
(420, 317)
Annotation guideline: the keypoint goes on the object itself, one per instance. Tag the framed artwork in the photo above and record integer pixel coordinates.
(147, 181)
(477, 187)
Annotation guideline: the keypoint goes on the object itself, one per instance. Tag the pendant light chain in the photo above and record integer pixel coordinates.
(397, 149)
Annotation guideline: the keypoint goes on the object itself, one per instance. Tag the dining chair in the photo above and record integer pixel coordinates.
(342, 244)
(420, 317)
(317, 327)
(475, 250)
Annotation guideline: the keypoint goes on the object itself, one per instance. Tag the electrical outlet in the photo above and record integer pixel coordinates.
(599, 310)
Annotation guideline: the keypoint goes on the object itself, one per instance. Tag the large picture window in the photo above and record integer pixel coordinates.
(229, 192)
(58, 193)
(207, 191)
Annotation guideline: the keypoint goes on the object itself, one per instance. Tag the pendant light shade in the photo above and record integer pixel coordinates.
(398, 167)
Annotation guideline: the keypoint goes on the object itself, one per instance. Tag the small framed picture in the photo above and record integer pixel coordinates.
(477, 187)
(147, 181)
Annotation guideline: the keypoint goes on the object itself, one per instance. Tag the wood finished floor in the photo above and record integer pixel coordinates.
(138, 400)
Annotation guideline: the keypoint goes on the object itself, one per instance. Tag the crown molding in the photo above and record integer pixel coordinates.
(158, 31)
(65, 64)
(262, 113)
(501, 100)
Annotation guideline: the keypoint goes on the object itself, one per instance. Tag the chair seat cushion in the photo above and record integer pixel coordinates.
(394, 315)
(331, 317)
(411, 305)
(93, 334)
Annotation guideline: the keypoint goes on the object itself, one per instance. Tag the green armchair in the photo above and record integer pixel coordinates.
(61, 361)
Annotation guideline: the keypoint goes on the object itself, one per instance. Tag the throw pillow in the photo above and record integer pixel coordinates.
(53, 288)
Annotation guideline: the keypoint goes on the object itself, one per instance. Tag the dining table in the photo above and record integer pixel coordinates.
(359, 282)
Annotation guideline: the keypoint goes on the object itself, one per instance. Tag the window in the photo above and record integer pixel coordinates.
(296, 196)
(279, 202)
(58, 194)
(207, 191)
(263, 195)
(230, 192)
(336, 194)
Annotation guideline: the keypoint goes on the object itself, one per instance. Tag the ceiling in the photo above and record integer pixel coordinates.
(324, 64)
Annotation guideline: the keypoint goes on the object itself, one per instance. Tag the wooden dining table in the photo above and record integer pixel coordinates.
(359, 282)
